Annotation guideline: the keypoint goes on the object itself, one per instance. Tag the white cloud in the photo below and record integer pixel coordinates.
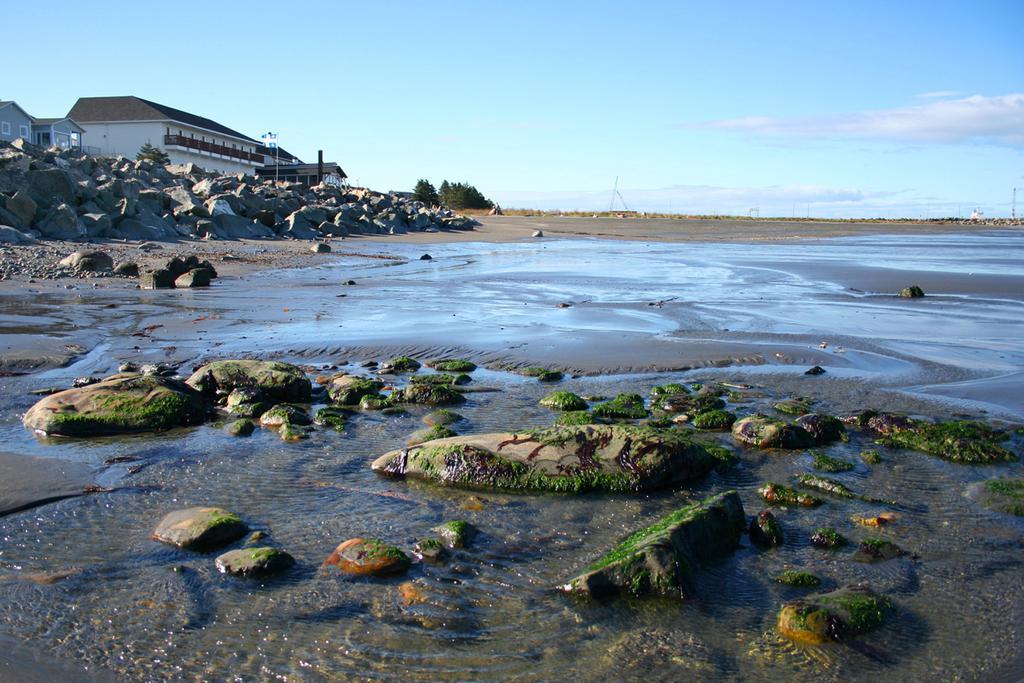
(937, 94)
(996, 120)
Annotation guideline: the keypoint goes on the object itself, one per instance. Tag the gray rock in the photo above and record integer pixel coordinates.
(320, 248)
(127, 269)
(157, 279)
(23, 206)
(9, 235)
(62, 223)
(50, 186)
(197, 277)
(96, 224)
(89, 261)
(200, 528)
(254, 562)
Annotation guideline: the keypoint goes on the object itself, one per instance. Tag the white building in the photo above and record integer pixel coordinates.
(122, 125)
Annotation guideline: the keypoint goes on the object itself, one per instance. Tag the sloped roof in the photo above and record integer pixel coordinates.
(47, 122)
(131, 108)
(4, 103)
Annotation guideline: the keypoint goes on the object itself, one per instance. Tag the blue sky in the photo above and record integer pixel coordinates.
(871, 109)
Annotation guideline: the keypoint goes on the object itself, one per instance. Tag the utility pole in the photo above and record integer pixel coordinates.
(1013, 211)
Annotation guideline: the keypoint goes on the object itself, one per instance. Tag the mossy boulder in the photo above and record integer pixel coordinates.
(361, 556)
(777, 494)
(400, 364)
(563, 400)
(765, 530)
(442, 378)
(660, 391)
(278, 382)
(441, 416)
(120, 404)
(1004, 495)
(716, 420)
(452, 365)
(623, 406)
(333, 417)
(241, 427)
(200, 528)
(794, 406)
(824, 428)
(835, 616)
(574, 417)
(455, 534)
(911, 292)
(798, 579)
(247, 402)
(428, 395)
(766, 432)
(348, 390)
(563, 459)
(542, 374)
(827, 538)
(960, 441)
(285, 414)
(662, 558)
(688, 404)
(254, 562)
(430, 434)
(377, 401)
(826, 463)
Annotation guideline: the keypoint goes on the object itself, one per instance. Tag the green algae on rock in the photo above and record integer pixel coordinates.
(560, 459)
(120, 404)
(240, 427)
(430, 434)
(824, 428)
(662, 390)
(400, 364)
(455, 534)
(430, 549)
(441, 416)
(714, 420)
(347, 390)
(870, 456)
(794, 406)
(826, 463)
(428, 395)
(873, 550)
(1004, 495)
(911, 292)
(246, 402)
(278, 382)
(662, 558)
(361, 556)
(442, 378)
(200, 528)
(452, 365)
(542, 374)
(563, 400)
(830, 539)
(960, 441)
(825, 485)
(777, 494)
(767, 432)
(333, 417)
(574, 417)
(623, 406)
(254, 562)
(835, 616)
(765, 530)
(798, 579)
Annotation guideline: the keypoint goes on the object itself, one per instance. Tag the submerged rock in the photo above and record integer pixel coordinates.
(428, 395)
(122, 403)
(254, 562)
(278, 382)
(362, 556)
(766, 432)
(959, 441)
(200, 528)
(563, 400)
(623, 406)
(661, 558)
(827, 538)
(873, 550)
(824, 428)
(442, 416)
(542, 374)
(240, 428)
(798, 579)
(1004, 495)
(838, 615)
(567, 459)
(777, 494)
(826, 463)
(765, 530)
(575, 418)
(335, 418)
(794, 406)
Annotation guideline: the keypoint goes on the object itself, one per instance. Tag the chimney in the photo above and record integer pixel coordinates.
(319, 166)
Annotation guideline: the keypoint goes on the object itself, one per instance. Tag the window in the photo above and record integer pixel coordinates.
(5, 127)
(23, 131)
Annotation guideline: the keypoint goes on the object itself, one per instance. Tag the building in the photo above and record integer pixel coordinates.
(15, 122)
(122, 125)
(64, 133)
(307, 174)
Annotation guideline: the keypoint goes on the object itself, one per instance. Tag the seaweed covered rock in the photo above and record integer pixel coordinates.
(348, 390)
(1004, 495)
(777, 494)
(623, 406)
(430, 434)
(254, 562)
(278, 382)
(285, 414)
(827, 538)
(119, 404)
(567, 459)
(361, 556)
(542, 374)
(714, 420)
(200, 528)
(960, 441)
(873, 550)
(455, 534)
(400, 364)
(563, 400)
(766, 432)
(333, 417)
(911, 292)
(662, 558)
(826, 463)
(824, 428)
(794, 406)
(242, 427)
(574, 418)
(442, 378)
(765, 530)
(441, 416)
(835, 616)
(798, 579)
(247, 402)
(452, 365)
(428, 395)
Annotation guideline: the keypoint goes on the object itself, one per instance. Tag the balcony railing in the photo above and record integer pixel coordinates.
(212, 148)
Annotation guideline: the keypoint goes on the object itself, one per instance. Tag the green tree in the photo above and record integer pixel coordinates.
(463, 196)
(425, 192)
(150, 153)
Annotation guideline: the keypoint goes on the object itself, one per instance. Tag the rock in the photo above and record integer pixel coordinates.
(567, 459)
(320, 248)
(442, 379)
(285, 414)
(714, 420)
(429, 395)
(455, 534)
(157, 279)
(873, 550)
(51, 186)
(960, 441)
(835, 616)
(348, 390)
(563, 400)
(247, 402)
(426, 257)
(368, 557)
(23, 206)
(119, 404)
(197, 277)
(400, 364)
(766, 432)
(661, 559)
(827, 538)
(816, 370)
(798, 579)
(430, 550)
(777, 494)
(623, 406)
(911, 292)
(127, 269)
(96, 224)
(793, 406)
(575, 418)
(542, 374)
(62, 223)
(335, 418)
(824, 428)
(430, 434)
(89, 261)
(9, 235)
(1004, 495)
(765, 530)
(442, 417)
(240, 428)
(538, 233)
(452, 365)
(825, 463)
(200, 528)
(254, 562)
(279, 382)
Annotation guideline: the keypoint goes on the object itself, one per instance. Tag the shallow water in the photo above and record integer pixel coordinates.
(492, 612)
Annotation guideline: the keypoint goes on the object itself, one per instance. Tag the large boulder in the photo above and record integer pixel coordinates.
(200, 528)
(661, 558)
(766, 432)
(254, 562)
(568, 459)
(849, 611)
(122, 403)
(278, 382)
(51, 186)
(62, 223)
(362, 556)
(89, 261)
(23, 206)
(348, 390)
(9, 235)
